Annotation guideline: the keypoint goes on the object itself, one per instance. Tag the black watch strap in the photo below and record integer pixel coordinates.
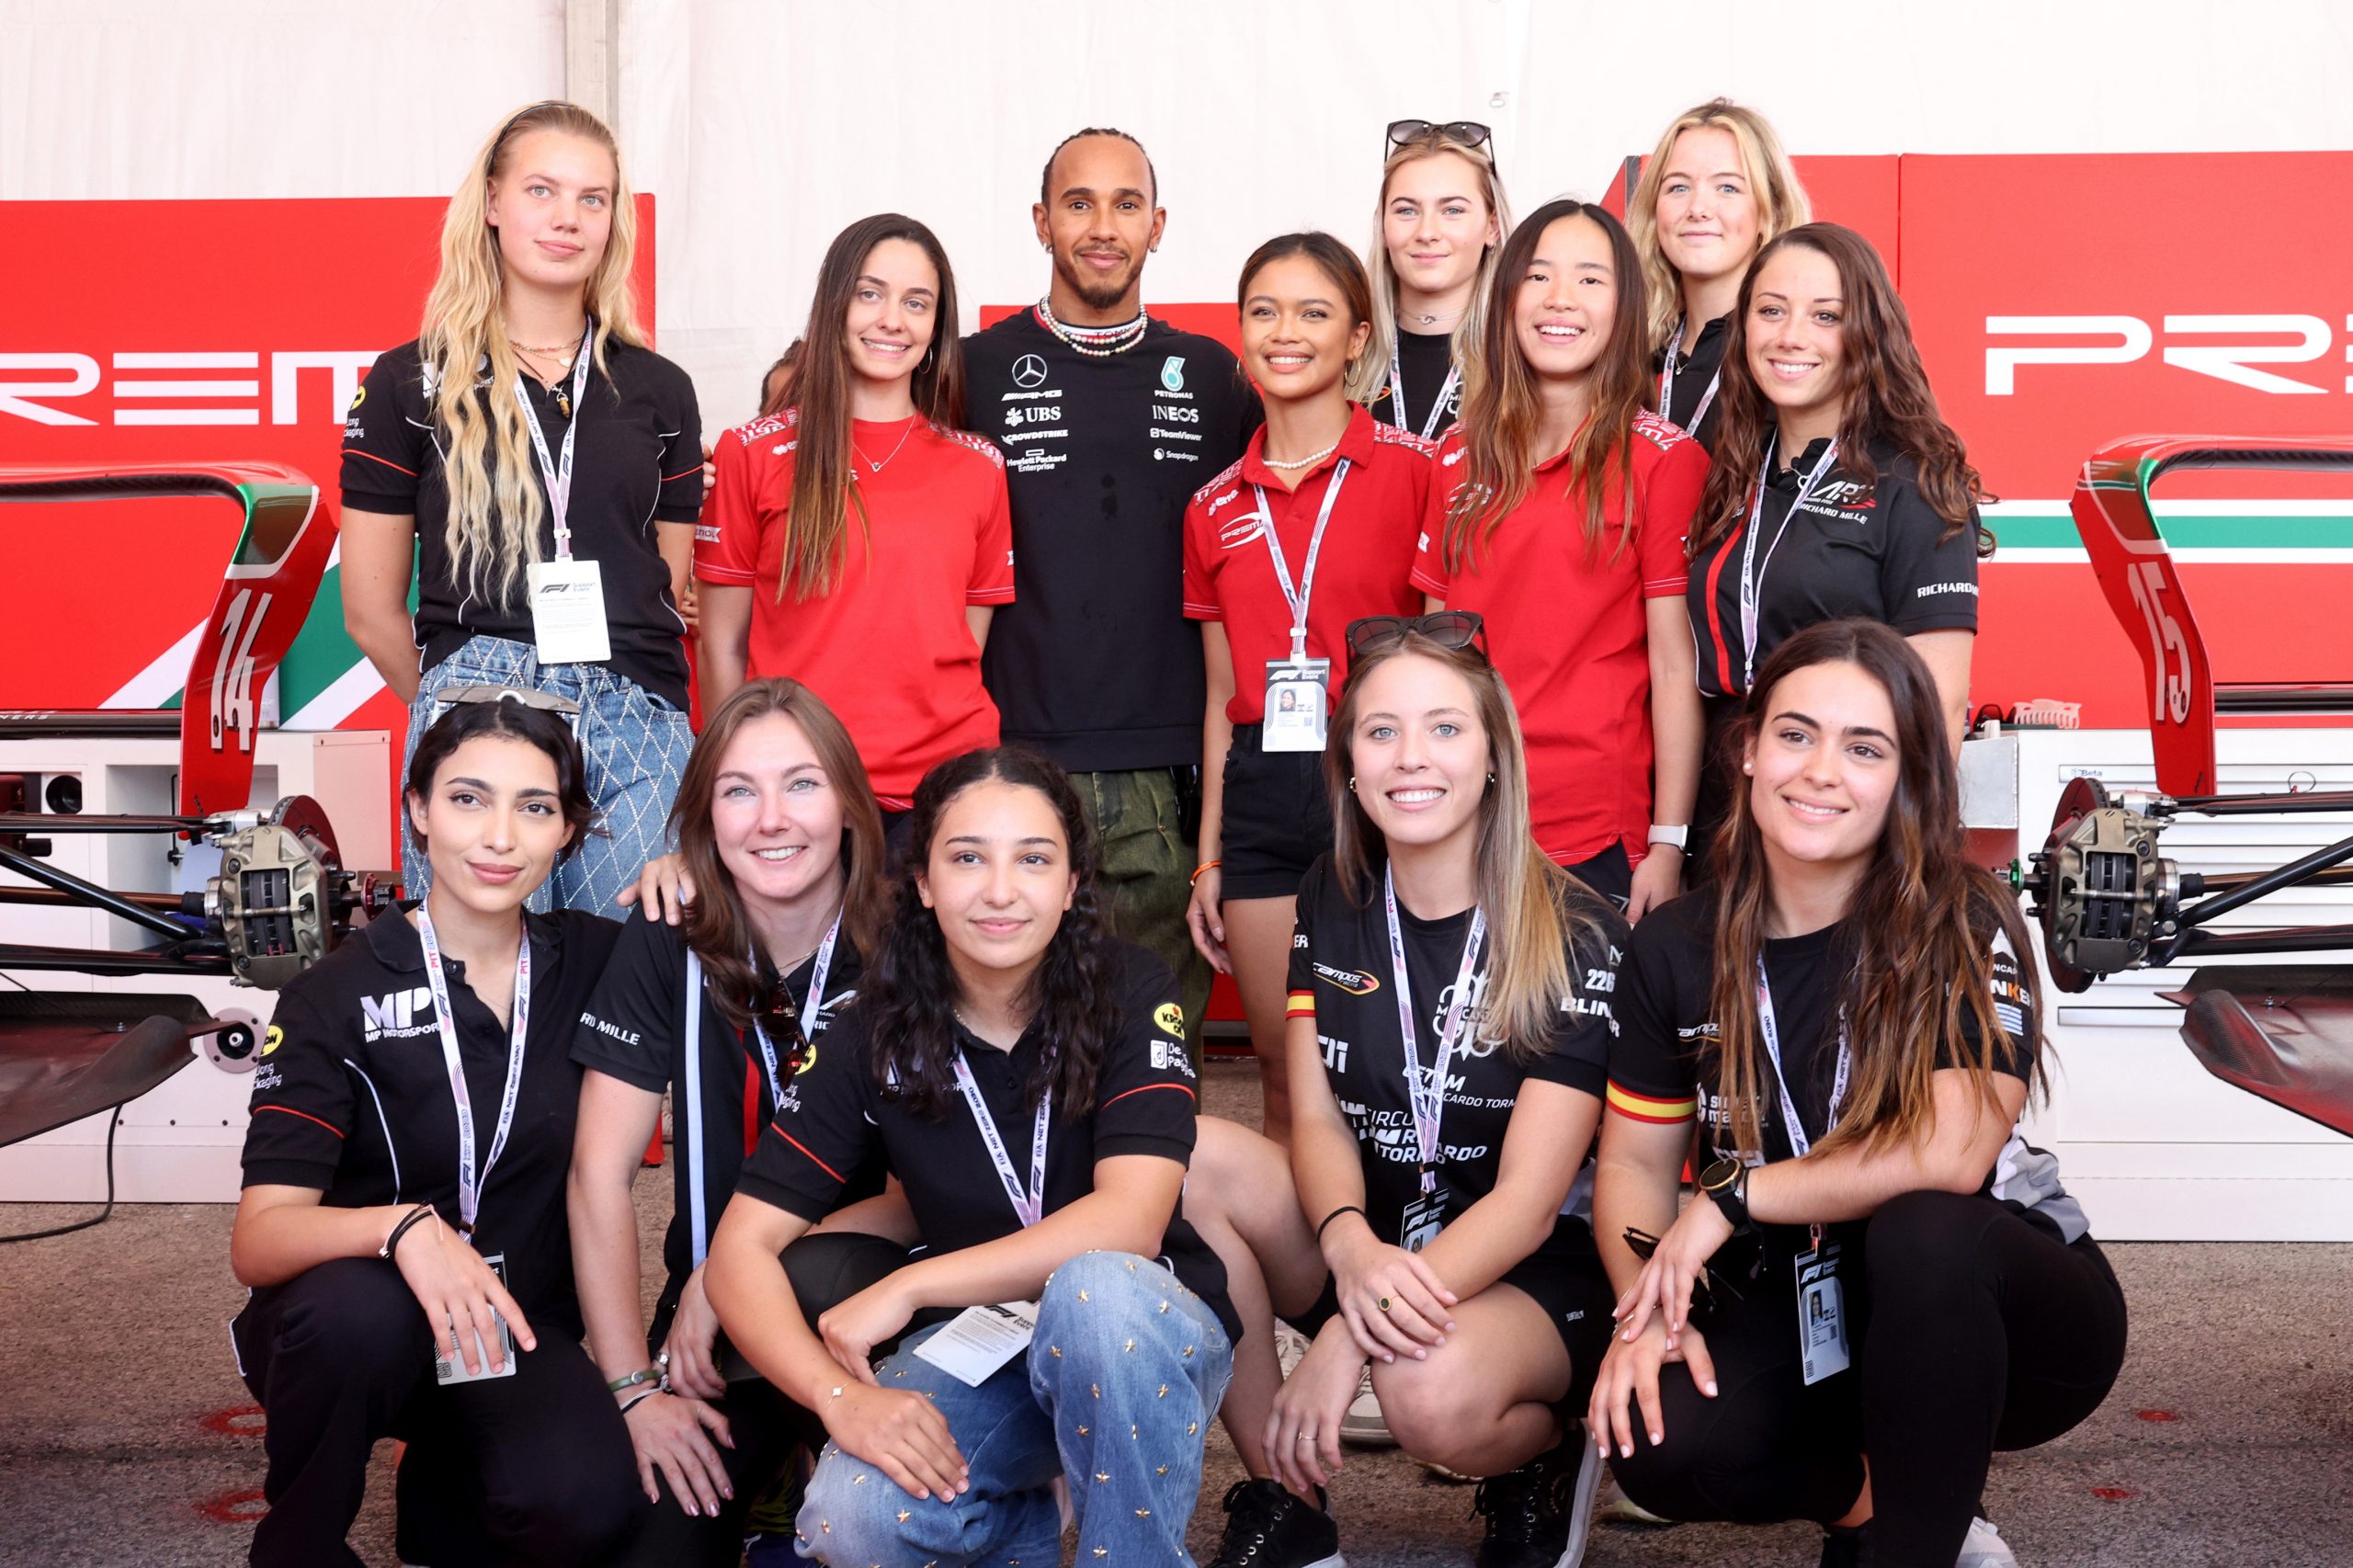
(1726, 1184)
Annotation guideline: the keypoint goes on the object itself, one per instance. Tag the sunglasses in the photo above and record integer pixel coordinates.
(522, 696)
(1704, 1289)
(1447, 628)
(1405, 132)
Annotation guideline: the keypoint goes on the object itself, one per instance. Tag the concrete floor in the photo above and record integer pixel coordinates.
(2228, 1440)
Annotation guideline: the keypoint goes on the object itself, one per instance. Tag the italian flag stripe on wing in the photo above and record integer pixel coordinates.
(1645, 1108)
(1301, 1003)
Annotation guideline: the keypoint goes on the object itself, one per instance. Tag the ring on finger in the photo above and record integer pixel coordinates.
(1384, 1304)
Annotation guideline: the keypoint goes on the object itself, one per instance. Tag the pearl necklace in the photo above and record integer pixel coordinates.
(1095, 342)
(1310, 460)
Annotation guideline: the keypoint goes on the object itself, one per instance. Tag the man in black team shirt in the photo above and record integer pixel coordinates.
(1109, 421)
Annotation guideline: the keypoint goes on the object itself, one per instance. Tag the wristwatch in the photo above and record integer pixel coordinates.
(1726, 1183)
(1679, 837)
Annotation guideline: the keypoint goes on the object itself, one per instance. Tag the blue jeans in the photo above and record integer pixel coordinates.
(635, 745)
(1127, 1370)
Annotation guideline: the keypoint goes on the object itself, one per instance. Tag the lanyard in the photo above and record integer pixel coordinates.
(1427, 1096)
(557, 471)
(470, 1184)
(1029, 1207)
(1437, 409)
(1666, 383)
(1770, 1030)
(1752, 571)
(810, 1005)
(1297, 597)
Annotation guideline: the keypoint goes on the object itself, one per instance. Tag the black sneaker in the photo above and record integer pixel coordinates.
(1539, 1515)
(1266, 1527)
(1842, 1546)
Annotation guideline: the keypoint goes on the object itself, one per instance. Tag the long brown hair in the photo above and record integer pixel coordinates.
(825, 480)
(1503, 410)
(1915, 959)
(1773, 184)
(717, 927)
(1533, 907)
(1886, 397)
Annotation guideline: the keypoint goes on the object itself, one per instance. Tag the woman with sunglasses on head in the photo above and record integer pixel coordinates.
(1838, 489)
(1311, 527)
(1716, 188)
(1440, 221)
(858, 541)
(404, 1201)
(1024, 1076)
(1450, 1021)
(1881, 1282)
(1561, 521)
(778, 830)
(537, 471)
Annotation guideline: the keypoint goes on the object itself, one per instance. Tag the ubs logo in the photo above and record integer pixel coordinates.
(1029, 370)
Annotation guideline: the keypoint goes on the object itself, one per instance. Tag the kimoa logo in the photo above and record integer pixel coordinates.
(396, 1016)
(2121, 340)
(1355, 982)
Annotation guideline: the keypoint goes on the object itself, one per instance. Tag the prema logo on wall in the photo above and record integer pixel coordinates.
(2121, 340)
(159, 387)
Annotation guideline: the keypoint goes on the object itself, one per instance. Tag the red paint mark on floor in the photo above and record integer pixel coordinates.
(237, 1421)
(2157, 1414)
(234, 1507)
(2114, 1493)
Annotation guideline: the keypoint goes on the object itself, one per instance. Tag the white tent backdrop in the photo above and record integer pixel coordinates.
(764, 125)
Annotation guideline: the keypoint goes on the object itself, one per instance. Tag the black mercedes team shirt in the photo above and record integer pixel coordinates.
(1660, 1070)
(1094, 663)
(637, 462)
(1695, 369)
(634, 1030)
(1341, 977)
(1423, 360)
(1144, 1104)
(1872, 548)
(351, 1096)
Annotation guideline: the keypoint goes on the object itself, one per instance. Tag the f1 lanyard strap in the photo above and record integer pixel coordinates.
(1769, 1029)
(809, 1006)
(1297, 597)
(1029, 1207)
(1752, 571)
(1666, 383)
(1437, 409)
(557, 470)
(1427, 1096)
(470, 1183)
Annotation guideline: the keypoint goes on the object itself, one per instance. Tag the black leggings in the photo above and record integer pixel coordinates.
(1973, 1330)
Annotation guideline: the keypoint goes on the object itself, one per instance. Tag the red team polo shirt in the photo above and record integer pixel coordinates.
(888, 649)
(1366, 566)
(1568, 633)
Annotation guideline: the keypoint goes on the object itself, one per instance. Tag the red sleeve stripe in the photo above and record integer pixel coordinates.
(1648, 1107)
(1141, 1088)
(674, 477)
(1303, 1004)
(356, 452)
(778, 1129)
(305, 1115)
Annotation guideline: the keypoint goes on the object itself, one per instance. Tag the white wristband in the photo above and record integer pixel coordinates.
(1680, 837)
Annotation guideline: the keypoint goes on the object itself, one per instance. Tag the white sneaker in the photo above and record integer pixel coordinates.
(1618, 1508)
(1291, 1348)
(1362, 1425)
(1984, 1548)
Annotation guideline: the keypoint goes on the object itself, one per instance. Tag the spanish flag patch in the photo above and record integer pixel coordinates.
(1645, 1108)
(1303, 1004)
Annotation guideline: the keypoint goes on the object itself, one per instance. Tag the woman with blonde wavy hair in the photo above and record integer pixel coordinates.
(1715, 191)
(1438, 227)
(542, 467)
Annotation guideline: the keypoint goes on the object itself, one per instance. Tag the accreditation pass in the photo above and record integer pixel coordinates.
(973, 1344)
(1821, 1317)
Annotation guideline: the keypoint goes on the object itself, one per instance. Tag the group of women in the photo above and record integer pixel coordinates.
(1564, 552)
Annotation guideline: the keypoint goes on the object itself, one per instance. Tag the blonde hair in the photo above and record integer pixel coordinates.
(1781, 203)
(1370, 372)
(495, 509)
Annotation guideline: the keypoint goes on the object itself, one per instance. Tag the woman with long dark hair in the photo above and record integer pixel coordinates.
(1025, 1078)
(401, 1226)
(1450, 1020)
(1310, 530)
(1562, 523)
(1837, 488)
(1881, 1282)
(535, 471)
(778, 833)
(858, 541)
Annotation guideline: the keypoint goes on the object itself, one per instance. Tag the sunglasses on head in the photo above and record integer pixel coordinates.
(522, 696)
(1447, 628)
(1405, 132)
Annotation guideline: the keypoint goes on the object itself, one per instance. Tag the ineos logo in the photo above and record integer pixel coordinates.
(1029, 370)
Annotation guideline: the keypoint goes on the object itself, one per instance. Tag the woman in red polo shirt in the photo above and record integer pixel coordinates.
(1559, 517)
(858, 541)
(1312, 526)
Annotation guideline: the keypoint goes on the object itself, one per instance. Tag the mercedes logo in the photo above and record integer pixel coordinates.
(1029, 370)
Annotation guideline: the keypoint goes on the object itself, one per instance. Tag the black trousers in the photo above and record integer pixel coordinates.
(825, 1270)
(1972, 1329)
(529, 1469)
